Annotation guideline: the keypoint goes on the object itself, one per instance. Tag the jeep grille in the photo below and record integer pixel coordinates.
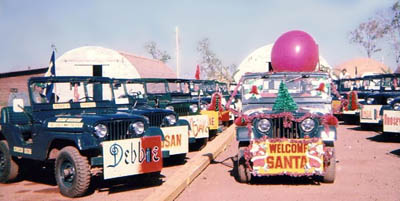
(279, 131)
(183, 110)
(156, 119)
(118, 129)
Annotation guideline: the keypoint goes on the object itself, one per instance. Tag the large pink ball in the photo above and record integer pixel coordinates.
(294, 51)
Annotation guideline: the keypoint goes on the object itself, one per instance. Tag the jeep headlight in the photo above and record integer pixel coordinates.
(307, 125)
(100, 130)
(203, 106)
(194, 108)
(171, 119)
(170, 108)
(137, 127)
(263, 125)
(389, 100)
(396, 106)
(370, 100)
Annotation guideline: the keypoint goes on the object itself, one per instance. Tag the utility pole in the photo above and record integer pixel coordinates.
(178, 62)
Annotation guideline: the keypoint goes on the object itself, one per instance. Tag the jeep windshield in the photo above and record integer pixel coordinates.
(179, 87)
(303, 88)
(223, 87)
(60, 90)
(156, 88)
(128, 92)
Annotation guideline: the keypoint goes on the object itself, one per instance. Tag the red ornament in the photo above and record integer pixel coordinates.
(240, 121)
(294, 51)
(321, 87)
(254, 90)
(330, 120)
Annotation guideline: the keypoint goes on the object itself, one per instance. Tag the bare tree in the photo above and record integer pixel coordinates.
(151, 48)
(211, 65)
(392, 24)
(367, 35)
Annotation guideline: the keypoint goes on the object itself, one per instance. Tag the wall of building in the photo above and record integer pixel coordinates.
(16, 82)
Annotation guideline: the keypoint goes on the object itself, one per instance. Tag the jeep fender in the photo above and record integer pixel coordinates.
(59, 140)
(154, 131)
(183, 122)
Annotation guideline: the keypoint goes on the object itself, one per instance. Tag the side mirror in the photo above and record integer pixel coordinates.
(18, 105)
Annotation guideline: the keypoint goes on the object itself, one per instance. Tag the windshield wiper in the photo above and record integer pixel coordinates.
(297, 78)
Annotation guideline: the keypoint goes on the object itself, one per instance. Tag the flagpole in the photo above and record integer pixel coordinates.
(177, 52)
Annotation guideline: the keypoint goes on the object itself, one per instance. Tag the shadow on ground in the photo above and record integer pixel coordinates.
(385, 138)
(396, 152)
(127, 183)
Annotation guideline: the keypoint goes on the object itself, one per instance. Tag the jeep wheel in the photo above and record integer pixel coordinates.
(243, 174)
(179, 158)
(72, 172)
(8, 167)
(365, 127)
(199, 144)
(329, 176)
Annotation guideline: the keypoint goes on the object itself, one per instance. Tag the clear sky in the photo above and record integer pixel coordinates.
(235, 28)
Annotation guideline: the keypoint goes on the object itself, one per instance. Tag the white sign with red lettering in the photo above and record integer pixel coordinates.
(198, 125)
(176, 139)
(391, 121)
(370, 114)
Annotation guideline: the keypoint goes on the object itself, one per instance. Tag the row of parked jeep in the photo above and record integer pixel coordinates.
(88, 126)
(371, 101)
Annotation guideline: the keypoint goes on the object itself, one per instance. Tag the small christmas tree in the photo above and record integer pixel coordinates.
(284, 102)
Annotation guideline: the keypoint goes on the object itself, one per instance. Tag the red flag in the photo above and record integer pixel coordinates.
(197, 75)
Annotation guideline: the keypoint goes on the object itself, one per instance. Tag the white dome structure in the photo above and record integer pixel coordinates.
(100, 61)
(258, 61)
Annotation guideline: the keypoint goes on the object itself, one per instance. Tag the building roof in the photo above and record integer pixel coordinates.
(24, 72)
(149, 68)
(363, 65)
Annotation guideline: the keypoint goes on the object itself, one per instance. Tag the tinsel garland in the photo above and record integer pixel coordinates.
(216, 103)
(353, 101)
(284, 102)
(245, 120)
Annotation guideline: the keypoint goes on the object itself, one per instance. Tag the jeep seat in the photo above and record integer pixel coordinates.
(19, 120)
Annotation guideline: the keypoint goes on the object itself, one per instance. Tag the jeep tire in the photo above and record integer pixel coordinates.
(72, 172)
(329, 176)
(8, 167)
(199, 144)
(243, 174)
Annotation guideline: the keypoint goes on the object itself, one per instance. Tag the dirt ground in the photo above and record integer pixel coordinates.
(368, 168)
(41, 185)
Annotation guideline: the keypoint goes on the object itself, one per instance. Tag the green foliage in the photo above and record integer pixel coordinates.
(284, 102)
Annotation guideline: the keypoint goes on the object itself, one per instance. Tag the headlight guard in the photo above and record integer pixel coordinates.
(307, 125)
(136, 128)
(263, 125)
(100, 130)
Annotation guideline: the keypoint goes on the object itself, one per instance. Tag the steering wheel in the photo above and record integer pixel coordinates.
(134, 93)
